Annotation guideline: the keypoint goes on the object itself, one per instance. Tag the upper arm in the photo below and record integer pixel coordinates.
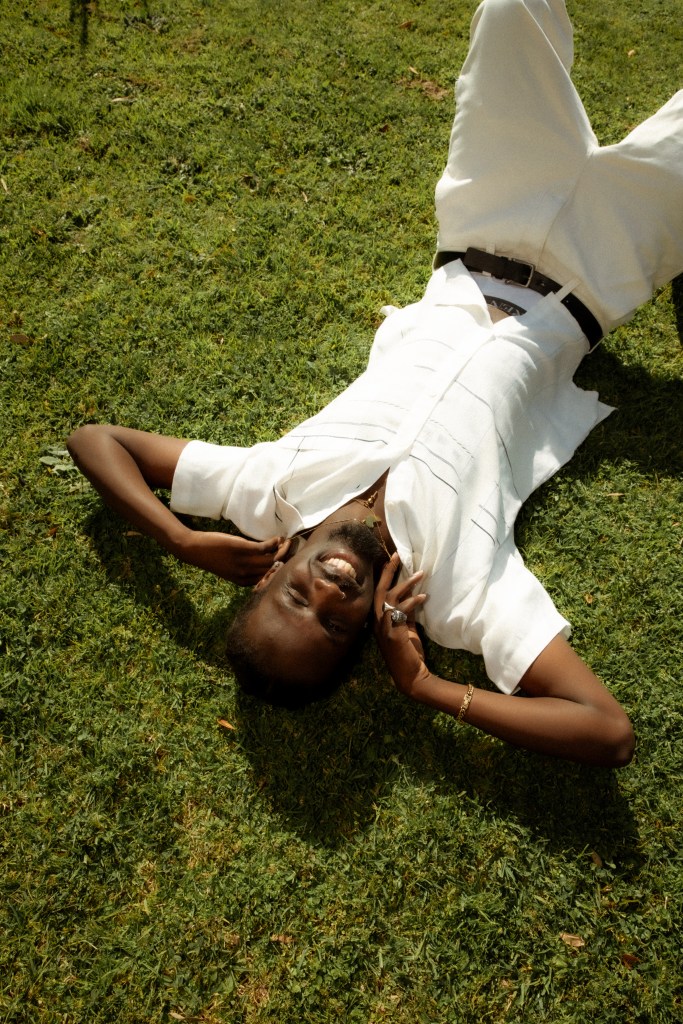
(155, 455)
(559, 672)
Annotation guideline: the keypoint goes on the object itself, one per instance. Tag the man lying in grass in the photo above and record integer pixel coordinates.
(396, 504)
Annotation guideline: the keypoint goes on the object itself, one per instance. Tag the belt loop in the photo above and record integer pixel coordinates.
(567, 288)
(515, 271)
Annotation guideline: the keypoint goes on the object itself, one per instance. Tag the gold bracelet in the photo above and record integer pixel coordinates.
(465, 703)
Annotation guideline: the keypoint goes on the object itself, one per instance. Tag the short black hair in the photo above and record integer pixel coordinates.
(255, 675)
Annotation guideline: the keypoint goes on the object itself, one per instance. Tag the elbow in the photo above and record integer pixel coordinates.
(81, 440)
(620, 743)
(626, 751)
(76, 440)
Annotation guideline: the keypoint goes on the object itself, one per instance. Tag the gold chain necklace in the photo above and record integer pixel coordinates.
(371, 521)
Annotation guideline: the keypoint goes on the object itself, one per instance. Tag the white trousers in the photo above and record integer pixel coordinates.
(526, 177)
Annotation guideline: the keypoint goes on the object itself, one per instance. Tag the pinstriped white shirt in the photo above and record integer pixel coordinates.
(469, 418)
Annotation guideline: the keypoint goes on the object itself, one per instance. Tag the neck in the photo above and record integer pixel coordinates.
(367, 508)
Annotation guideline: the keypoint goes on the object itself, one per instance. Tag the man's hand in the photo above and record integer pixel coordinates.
(232, 558)
(125, 465)
(401, 646)
(572, 714)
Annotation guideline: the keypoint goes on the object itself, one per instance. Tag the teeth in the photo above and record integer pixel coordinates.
(342, 566)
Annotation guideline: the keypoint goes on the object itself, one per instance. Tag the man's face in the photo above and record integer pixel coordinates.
(314, 607)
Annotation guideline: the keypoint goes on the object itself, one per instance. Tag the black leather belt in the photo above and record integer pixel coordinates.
(513, 271)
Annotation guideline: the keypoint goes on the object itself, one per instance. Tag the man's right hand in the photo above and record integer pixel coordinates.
(232, 558)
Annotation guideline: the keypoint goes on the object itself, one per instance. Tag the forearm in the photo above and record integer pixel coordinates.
(123, 466)
(569, 713)
(560, 727)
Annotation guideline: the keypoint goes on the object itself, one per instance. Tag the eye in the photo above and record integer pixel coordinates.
(294, 596)
(335, 628)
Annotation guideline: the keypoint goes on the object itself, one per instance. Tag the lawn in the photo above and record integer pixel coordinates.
(204, 204)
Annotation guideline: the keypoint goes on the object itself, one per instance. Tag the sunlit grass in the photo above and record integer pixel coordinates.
(203, 208)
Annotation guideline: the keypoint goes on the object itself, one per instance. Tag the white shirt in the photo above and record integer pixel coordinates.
(469, 418)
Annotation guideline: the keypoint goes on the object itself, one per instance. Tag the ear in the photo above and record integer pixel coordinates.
(265, 580)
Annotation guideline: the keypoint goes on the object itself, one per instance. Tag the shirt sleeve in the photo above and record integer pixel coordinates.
(515, 620)
(204, 478)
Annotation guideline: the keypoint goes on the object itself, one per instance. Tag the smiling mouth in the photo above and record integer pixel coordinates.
(340, 565)
(341, 570)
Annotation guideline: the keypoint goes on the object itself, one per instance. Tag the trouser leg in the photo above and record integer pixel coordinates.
(520, 135)
(623, 223)
(525, 176)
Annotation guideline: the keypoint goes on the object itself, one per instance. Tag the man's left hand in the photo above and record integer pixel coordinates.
(400, 645)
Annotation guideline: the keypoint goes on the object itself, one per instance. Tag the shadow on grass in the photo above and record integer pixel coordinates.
(349, 754)
(677, 299)
(645, 429)
(326, 770)
(80, 12)
(140, 567)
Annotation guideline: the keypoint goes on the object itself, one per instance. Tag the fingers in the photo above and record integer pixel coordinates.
(383, 619)
(388, 573)
(247, 561)
(277, 547)
(403, 591)
(274, 544)
(400, 596)
(284, 545)
(272, 550)
(387, 576)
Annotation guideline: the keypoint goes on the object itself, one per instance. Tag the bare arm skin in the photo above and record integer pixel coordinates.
(571, 714)
(125, 466)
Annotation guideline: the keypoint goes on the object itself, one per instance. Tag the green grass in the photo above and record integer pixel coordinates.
(203, 207)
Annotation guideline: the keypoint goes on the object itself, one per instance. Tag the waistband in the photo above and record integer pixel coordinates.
(519, 272)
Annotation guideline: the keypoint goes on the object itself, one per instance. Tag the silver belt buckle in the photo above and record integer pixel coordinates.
(522, 263)
(492, 265)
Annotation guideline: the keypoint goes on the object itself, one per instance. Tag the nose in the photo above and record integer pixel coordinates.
(326, 592)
